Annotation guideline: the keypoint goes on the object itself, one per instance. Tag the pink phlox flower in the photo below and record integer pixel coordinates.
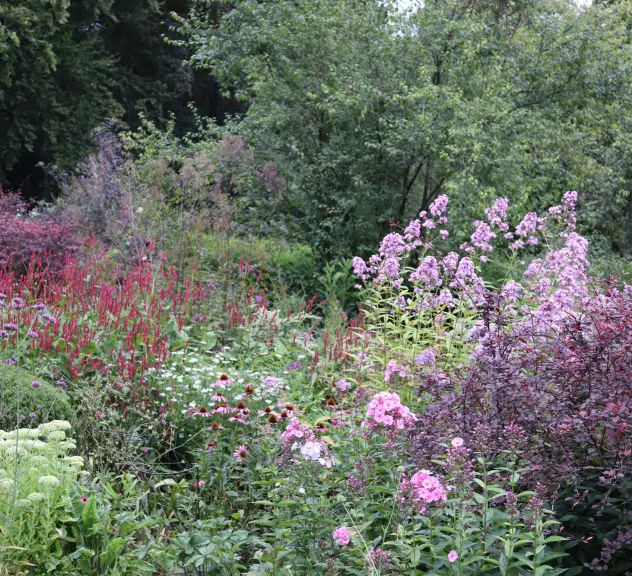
(386, 409)
(439, 205)
(342, 535)
(482, 236)
(394, 368)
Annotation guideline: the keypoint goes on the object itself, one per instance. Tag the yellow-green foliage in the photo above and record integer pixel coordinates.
(37, 475)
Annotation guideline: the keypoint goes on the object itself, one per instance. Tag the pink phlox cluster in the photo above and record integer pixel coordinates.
(423, 488)
(426, 358)
(428, 272)
(528, 225)
(342, 535)
(497, 214)
(299, 438)
(446, 299)
(511, 291)
(439, 205)
(482, 236)
(387, 410)
(296, 432)
(393, 368)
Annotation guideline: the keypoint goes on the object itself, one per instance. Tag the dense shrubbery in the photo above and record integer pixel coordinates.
(454, 426)
(26, 398)
(24, 236)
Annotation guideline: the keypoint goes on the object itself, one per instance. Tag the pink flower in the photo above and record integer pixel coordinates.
(342, 535)
(423, 488)
(386, 409)
(453, 556)
(83, 499)
(457, 442)
(240, 453)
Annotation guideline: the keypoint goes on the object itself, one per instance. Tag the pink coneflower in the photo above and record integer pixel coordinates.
(237, 417)
(240, 453)
(219, 397)
(222, 409)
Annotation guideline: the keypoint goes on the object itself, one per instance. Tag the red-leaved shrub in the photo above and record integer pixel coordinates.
(23, 236)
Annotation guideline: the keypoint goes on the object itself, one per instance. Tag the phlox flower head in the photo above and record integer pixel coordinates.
(311, 450)
(457, 442)
(393, 368)
(386, 410)
(343, 385)
(426, 358)
(439, 206)
(342, 535)
(423, 488)
(296, 432)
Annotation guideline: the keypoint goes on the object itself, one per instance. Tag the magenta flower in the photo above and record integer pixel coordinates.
(453, 556)
(36, 384)
(342, 535)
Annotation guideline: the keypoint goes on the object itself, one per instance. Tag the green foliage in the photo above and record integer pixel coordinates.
(55, 83)
(371, 111)
(18, 399)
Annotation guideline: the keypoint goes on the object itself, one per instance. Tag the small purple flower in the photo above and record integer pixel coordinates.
(31, 334)
(22, 417)
(2, 295)
(258, 298)
(18, 303)
(36, 384)
(453, 556)
(10, 361)
(10, 326)
(39, 306)
(61, 384)
(3, 334)
(32, 415)
(294, 366)
(49, 318)
(39, 407)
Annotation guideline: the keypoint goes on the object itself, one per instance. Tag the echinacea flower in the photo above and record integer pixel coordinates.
(240, 453)
(237, 417)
